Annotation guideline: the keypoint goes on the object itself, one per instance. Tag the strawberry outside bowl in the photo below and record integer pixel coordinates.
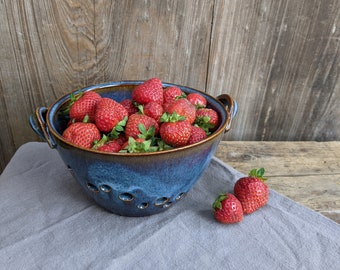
(133, 184)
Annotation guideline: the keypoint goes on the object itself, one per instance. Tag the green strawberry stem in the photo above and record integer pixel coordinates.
(73, 98)
(140, 108)
(118, 129)
(86, 119)
(135, 146)
(258, 173)
(204, 123)
(183, 95)
(218, 202)
(199, 106)
(162, 145)
(146, 134)
(101, 142)
(171, 117)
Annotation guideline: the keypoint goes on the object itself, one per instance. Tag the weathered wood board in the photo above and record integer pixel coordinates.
(279, 59)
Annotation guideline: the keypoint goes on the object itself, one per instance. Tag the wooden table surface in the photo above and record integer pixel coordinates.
(306, 172)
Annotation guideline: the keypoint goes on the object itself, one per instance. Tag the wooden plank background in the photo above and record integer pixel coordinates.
(279, 59)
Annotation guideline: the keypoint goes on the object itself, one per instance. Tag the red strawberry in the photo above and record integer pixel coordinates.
(121, 139)
(174, 131)
(110, 146)
(251, 191)
(172, 93)
(106, 145)
(85, 105)
(166, 106)
(82, 134)
(141, 125)
(197, 135)
(128, 105)
(207, 119)
(150, 90)
(184, 108)
(108, 114)
(154, 110)
(227, 209)
(197, 99)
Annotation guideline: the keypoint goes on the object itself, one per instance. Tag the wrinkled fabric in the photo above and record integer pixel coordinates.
(47, 222)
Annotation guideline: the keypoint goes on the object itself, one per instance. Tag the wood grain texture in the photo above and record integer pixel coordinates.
(306, 172)
(278, 59)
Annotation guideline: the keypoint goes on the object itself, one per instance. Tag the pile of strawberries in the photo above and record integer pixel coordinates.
(154, 119)
(250, 194)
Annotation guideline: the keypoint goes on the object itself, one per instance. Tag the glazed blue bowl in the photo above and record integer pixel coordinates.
(133, 184)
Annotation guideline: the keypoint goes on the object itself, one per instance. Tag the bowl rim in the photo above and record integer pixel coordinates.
(65, 98)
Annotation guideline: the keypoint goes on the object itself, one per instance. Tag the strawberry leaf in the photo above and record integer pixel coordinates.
(218, 202)
(258, 173)
(140, 109)
(101, 142)
(86, 119)
(171, 117)
(73, 98)
(204, 123)
(162, 145)
(142, 128)
(135, 146)
(183, 95)
(146, 134)
(118, 129)
(199, 106)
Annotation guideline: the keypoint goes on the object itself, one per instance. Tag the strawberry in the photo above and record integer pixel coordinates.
(82, 134)
(207, 119)
(166, 106)
(154, 110)
(118, 129)
(141, 125)
(106, 145)
(227, 209)
(251, 191)
(121, 139)
(85, 105)
(184, 108)
(172, 93)
(150, 90)
(197, 135)
(175, 130)
(110, 146)
(129, 106)
(198, 100)
(108, 114)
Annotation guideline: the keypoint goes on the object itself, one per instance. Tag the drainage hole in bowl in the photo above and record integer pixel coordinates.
(105, 188)
(161, 201)
(142, 206)
(126, 197)
(92, 187)
(167, 204)
(180, 196)
(71, 171)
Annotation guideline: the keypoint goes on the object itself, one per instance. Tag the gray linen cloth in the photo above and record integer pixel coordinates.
(47, 222)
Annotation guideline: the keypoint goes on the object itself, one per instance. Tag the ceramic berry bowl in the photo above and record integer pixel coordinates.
(133, 184)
